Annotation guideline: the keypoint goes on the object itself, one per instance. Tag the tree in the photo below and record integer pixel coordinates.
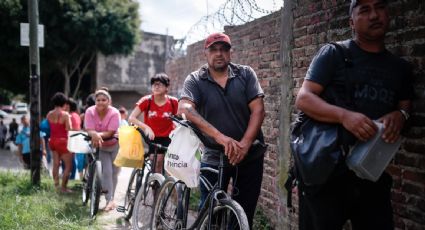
(78, 29)
(75, 31)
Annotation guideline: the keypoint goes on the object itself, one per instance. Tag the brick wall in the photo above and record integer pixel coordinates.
(280, 47)
(318, 22)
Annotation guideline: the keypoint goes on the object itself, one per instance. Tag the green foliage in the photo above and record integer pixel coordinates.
(261, 222)
(195, 197)
(5, 96)
(75, 31)
(24, 207)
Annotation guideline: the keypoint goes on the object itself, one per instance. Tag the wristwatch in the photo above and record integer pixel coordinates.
(405, 114)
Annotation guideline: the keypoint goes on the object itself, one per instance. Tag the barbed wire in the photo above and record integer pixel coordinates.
(230, 13)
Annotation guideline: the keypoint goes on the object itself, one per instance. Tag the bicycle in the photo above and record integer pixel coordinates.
(92, 186)
(143, 183)
(219, 210)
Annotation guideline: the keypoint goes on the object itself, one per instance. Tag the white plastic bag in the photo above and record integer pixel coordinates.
(183, 157)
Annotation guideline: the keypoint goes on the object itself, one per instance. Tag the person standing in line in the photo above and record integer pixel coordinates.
(101, 121)
(60, 122)
(225, 101)
(382, 91)
(13, 129)
(22, 140)
(3, 134)
(156, 108)
(75, 126)
(123, 116)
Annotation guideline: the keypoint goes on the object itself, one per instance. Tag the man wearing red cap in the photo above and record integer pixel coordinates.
(225, 101)
(380, 86)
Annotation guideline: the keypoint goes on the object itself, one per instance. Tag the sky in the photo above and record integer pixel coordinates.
(176, 17)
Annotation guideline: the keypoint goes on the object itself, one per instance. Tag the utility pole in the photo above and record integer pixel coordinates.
(34, 92)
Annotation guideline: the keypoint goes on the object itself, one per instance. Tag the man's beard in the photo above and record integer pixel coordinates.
(220, 68)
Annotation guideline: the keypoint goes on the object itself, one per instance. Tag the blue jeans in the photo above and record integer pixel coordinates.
(247, 180)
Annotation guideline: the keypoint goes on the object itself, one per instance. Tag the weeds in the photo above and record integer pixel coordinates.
(24, 207)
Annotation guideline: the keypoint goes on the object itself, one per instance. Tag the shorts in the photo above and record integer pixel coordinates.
(59, 145)
(164, 141)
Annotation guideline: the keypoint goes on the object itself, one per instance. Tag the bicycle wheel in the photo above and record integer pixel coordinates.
(131, 192)
(168, 212)
(95, 194)
(145, 201)
(87, 181)
(227, 214)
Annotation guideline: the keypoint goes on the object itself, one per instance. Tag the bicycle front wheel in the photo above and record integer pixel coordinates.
(168, 212)
(87, 181)
(95, 194)
(130, 194)
(227, 214)
(145, 202)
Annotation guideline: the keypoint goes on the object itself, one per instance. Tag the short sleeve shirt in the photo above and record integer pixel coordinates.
(75, 121)
(157, 117)
(23, 138)
(110, 122)
(227, 109)
(378, 81)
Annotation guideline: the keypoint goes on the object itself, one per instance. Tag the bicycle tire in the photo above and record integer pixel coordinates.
(227, 214)
(145, 201)
(87, 181)
(167, 214)
(130, 194)
(95, 194)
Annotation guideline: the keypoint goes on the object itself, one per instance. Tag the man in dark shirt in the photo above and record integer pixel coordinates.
(382, 90)
(225, 101)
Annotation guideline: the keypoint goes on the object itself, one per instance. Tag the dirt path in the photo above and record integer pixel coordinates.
(113, 219)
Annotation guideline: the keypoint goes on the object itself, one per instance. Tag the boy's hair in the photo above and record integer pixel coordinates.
(73, 107)
(59, 99)
(90, 100)
(161, 77)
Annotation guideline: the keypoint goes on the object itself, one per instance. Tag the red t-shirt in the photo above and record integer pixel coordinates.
(157, 116)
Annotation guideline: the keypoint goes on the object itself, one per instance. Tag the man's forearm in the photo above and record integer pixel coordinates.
(193, 116)
(255, 121)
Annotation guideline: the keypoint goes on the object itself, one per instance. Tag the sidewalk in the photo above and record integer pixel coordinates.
(114, 220)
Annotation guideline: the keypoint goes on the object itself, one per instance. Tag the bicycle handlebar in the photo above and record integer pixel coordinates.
(148, 141)
(88, 137)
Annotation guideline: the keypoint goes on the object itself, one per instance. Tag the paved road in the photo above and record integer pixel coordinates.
(9, 161)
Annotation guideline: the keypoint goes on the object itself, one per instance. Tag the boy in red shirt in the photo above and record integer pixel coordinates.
(156, 108)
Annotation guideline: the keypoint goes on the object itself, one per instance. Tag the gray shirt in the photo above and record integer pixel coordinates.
(227, 109)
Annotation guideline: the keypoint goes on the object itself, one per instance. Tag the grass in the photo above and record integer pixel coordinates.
(195, 197)
(24, 207)
(261, 221)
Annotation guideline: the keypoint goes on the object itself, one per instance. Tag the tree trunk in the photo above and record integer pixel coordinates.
(66, 78)
(81, 74)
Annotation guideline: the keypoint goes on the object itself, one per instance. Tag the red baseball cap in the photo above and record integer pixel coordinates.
(217, 37)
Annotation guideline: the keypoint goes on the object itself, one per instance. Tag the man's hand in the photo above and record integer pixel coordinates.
(358, 124)
(244, 148)
(393, 123)
(231, 146)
